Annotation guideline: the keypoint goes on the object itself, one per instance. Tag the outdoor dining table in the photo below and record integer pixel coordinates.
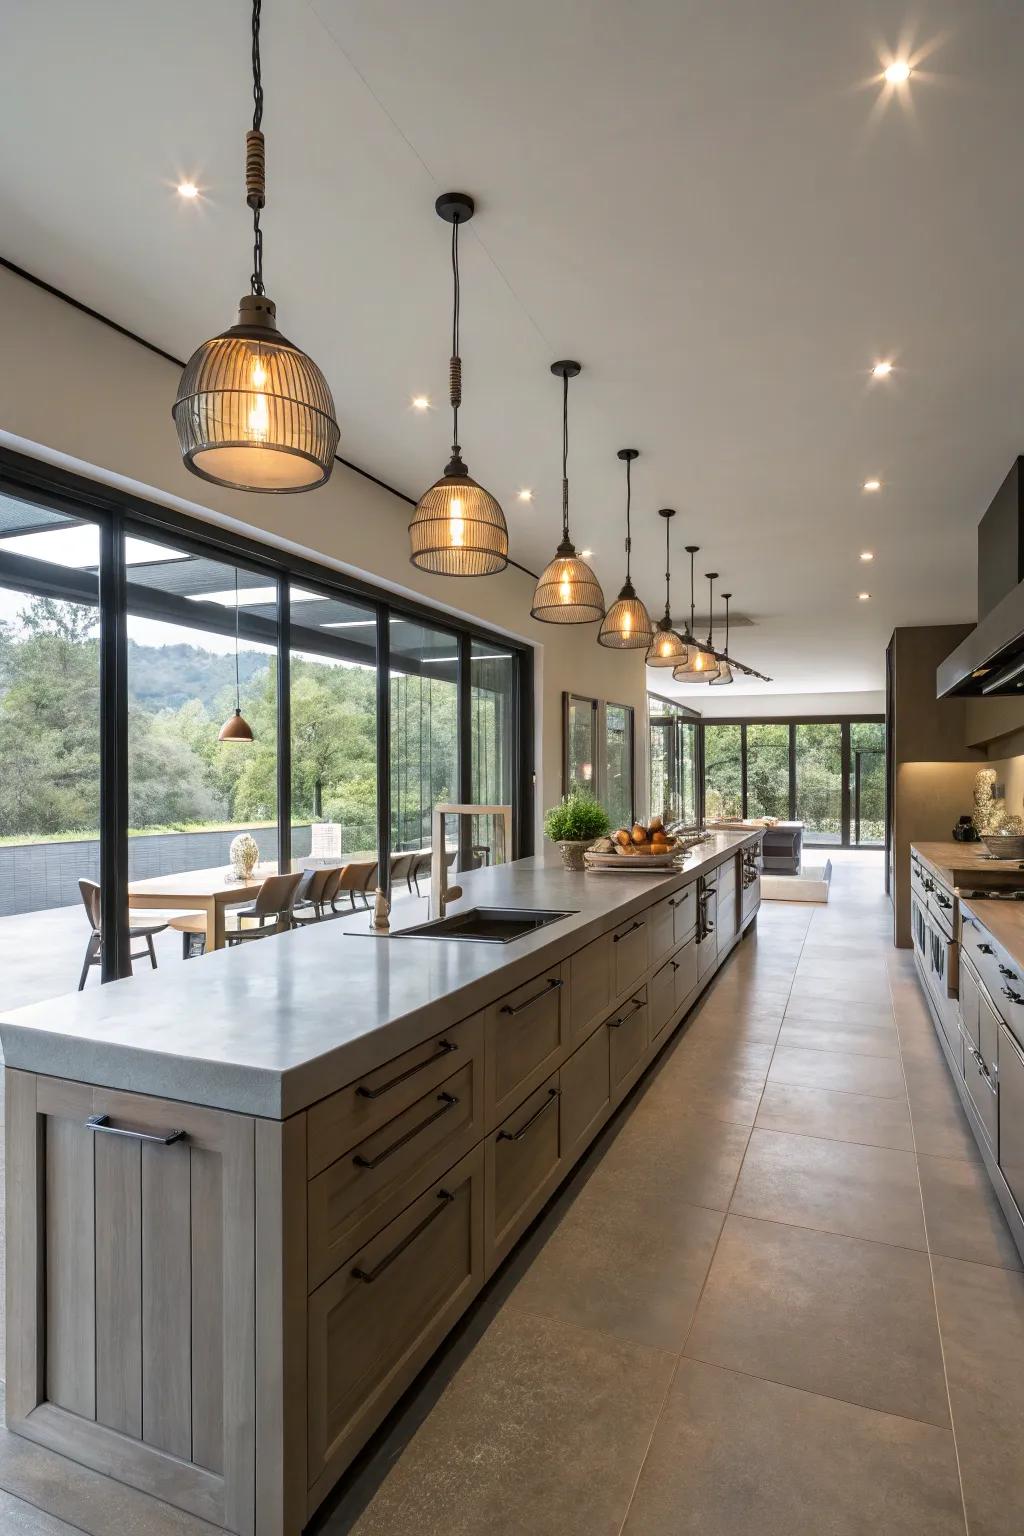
(210, 891)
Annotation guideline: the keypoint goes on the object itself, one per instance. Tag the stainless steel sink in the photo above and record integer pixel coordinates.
(484, 925)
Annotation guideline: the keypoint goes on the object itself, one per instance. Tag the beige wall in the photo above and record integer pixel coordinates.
(75, 392)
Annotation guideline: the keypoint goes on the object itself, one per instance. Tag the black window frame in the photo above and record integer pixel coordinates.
(119, 514)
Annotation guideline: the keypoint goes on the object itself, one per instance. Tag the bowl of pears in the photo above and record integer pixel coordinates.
(645, 846)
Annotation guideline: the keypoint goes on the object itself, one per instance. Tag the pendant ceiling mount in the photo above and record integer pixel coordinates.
(627, 624)
(668, 648)
(567, 592)
(458, 528)
(252, 411)
(700, 664)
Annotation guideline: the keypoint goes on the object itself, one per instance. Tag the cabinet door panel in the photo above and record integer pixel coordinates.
(524, 1038)
(661, 919)
(590, 984)
(585, 1093)
(522, 1162)
(662, 996)
(685, 912)
(629, 1036)
(686, 971)
(629, 954)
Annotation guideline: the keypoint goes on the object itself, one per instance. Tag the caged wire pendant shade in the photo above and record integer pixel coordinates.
(667, 648)
(252, 412)
(700, 664)
(627, 624)
(724, 668)
(457, 529)
(568, 592)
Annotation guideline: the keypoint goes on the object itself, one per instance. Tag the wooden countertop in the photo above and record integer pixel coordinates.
(1004, 920)
(966, 864)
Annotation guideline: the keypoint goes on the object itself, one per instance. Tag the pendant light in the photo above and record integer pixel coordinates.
(627, 624)
(568, 592)
(253, 412)
(724, 665)
(457, 529)
(667, 648)
(700, 664)
(235, 727)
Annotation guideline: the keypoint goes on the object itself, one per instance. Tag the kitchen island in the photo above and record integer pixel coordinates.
(247, 1201)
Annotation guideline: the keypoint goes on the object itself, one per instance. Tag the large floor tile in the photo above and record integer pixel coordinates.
(880, 1077)
(676, 1155)
(962, 1214)
(715, 1092)
(981, 1317)
(20, 1519)
(543, 1429)
(802, 1007)
(733, 1456)
(834, 1186)
(723, 1047)
(836, 1116)
(941, 1128)
(625, 1260)
(830, 1314)
(856, 1038)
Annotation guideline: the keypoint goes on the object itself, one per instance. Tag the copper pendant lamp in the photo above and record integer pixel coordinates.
(700, 665)
(252, 411)
(567, 592)
(668, 648)
(627, 624)
(236, 728)
(724, 665)
(457, 529)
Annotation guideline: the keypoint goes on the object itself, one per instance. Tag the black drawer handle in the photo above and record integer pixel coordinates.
(631, 929)
(944, 901)
(638, 1003)
(674, 964)
(986, 949)
(552, 986)
(447, 1101)
(553, 1094)
(1013, 996)
(1004, 970)
(102, 1123)
(370, 1275)
(445, 1048)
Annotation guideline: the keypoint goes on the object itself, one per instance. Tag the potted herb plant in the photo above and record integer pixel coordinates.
(574, 824)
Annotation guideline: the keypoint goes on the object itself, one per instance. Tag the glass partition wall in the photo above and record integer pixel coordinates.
(599, 753)
(120, 626)
(672, 759)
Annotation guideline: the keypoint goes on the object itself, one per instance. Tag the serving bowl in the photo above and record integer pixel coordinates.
(1004, 845)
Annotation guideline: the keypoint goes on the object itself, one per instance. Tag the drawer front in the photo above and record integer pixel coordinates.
(662, 923)
(1011, 1114)
(628, 1038)
(983, 1089)
(661, 991)
(348, 1117)
(375, 1323)
(970, 1002)
(981, 951)
(684, 913)
(940, 902)
(585, 1093)
(629, 954)
(524, 1035)
(727, 879)
(590, 985)
(368, 1186)
(685, 961)
(751, 898)
(1007, 991)
(988, 1034)
(727, 925)
(522, 1162)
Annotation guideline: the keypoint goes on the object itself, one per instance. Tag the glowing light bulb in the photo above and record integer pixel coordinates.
(188, 190)
(259, 414)
(665, 648)
(627, 622)
(882, 370)
(456, 524)
(898, 72)
(565, 586)
(259, 374)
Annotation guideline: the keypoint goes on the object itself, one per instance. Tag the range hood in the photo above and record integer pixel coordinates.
(989, 662)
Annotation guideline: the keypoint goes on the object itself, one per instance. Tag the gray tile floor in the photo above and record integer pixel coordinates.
(777, 1298)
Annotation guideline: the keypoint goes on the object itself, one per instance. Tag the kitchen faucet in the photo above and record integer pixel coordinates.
(440, 891)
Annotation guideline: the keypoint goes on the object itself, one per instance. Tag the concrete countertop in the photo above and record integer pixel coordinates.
(1004, 920)
(268, 1028)
(968, 864)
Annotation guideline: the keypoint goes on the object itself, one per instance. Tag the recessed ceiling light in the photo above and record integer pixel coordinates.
(882, 370)
(586, 554)
(872, 485)
(525, 495)
(867, 554)
(421, 403)
(187, 189)
(863, 596)
(897, 72)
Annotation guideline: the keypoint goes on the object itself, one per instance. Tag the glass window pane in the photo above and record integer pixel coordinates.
(723, 790)
(768, 771)
(492, 738)
(333, 727)
(581, 745)
(819, 781)
(49, 749)
(618, 791)
(190, 794)
(867, 783)
(688, 771)
(424, 729)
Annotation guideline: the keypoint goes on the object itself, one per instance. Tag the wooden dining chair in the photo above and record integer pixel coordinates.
(90, 893)
(270, 913)
(319, 897)
(357, 880)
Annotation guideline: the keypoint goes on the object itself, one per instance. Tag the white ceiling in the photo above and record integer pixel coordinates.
(716, 207)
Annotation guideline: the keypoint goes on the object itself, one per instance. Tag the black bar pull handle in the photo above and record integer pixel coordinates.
(638, 1003)
(551, 986)
(447, 1102)
(102, 1123)
(986, 949)
(553, 1094)
(625, 934)
(445, 1048)
(370, 1275)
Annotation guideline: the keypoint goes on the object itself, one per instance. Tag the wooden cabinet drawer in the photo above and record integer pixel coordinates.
(521, 1165)
(629, 954)
(970, 1002)
(686, 971)
(980, 949)
(523, 1035)
(661, 991)
(750, 898)
(371, 1183)
(590, 985)
(684, 913)
(726, 921)
(988, 1034)
(376, 1322)
(661, 918)
(629, 1035)
(352, 1114)
(726, 880)
(585, 1094)
(983, 1089)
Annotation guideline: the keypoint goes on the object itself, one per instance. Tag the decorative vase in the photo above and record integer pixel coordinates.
(245, 855)
(572, 854)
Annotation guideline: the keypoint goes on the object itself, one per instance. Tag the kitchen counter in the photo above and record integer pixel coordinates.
(1004, 920)
(967, 864)
(268, 1028)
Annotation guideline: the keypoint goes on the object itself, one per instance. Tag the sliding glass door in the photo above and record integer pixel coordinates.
(723, 773)
(672, 760)
(767, 759)
(819, 782)
(867, 784)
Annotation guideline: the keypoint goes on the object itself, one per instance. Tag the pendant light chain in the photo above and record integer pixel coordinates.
(629, 500)
(692, 553)
(712, 576)
(255, 157)
(668, 571)
(565, 458)
(238, 685)
(455, 365)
